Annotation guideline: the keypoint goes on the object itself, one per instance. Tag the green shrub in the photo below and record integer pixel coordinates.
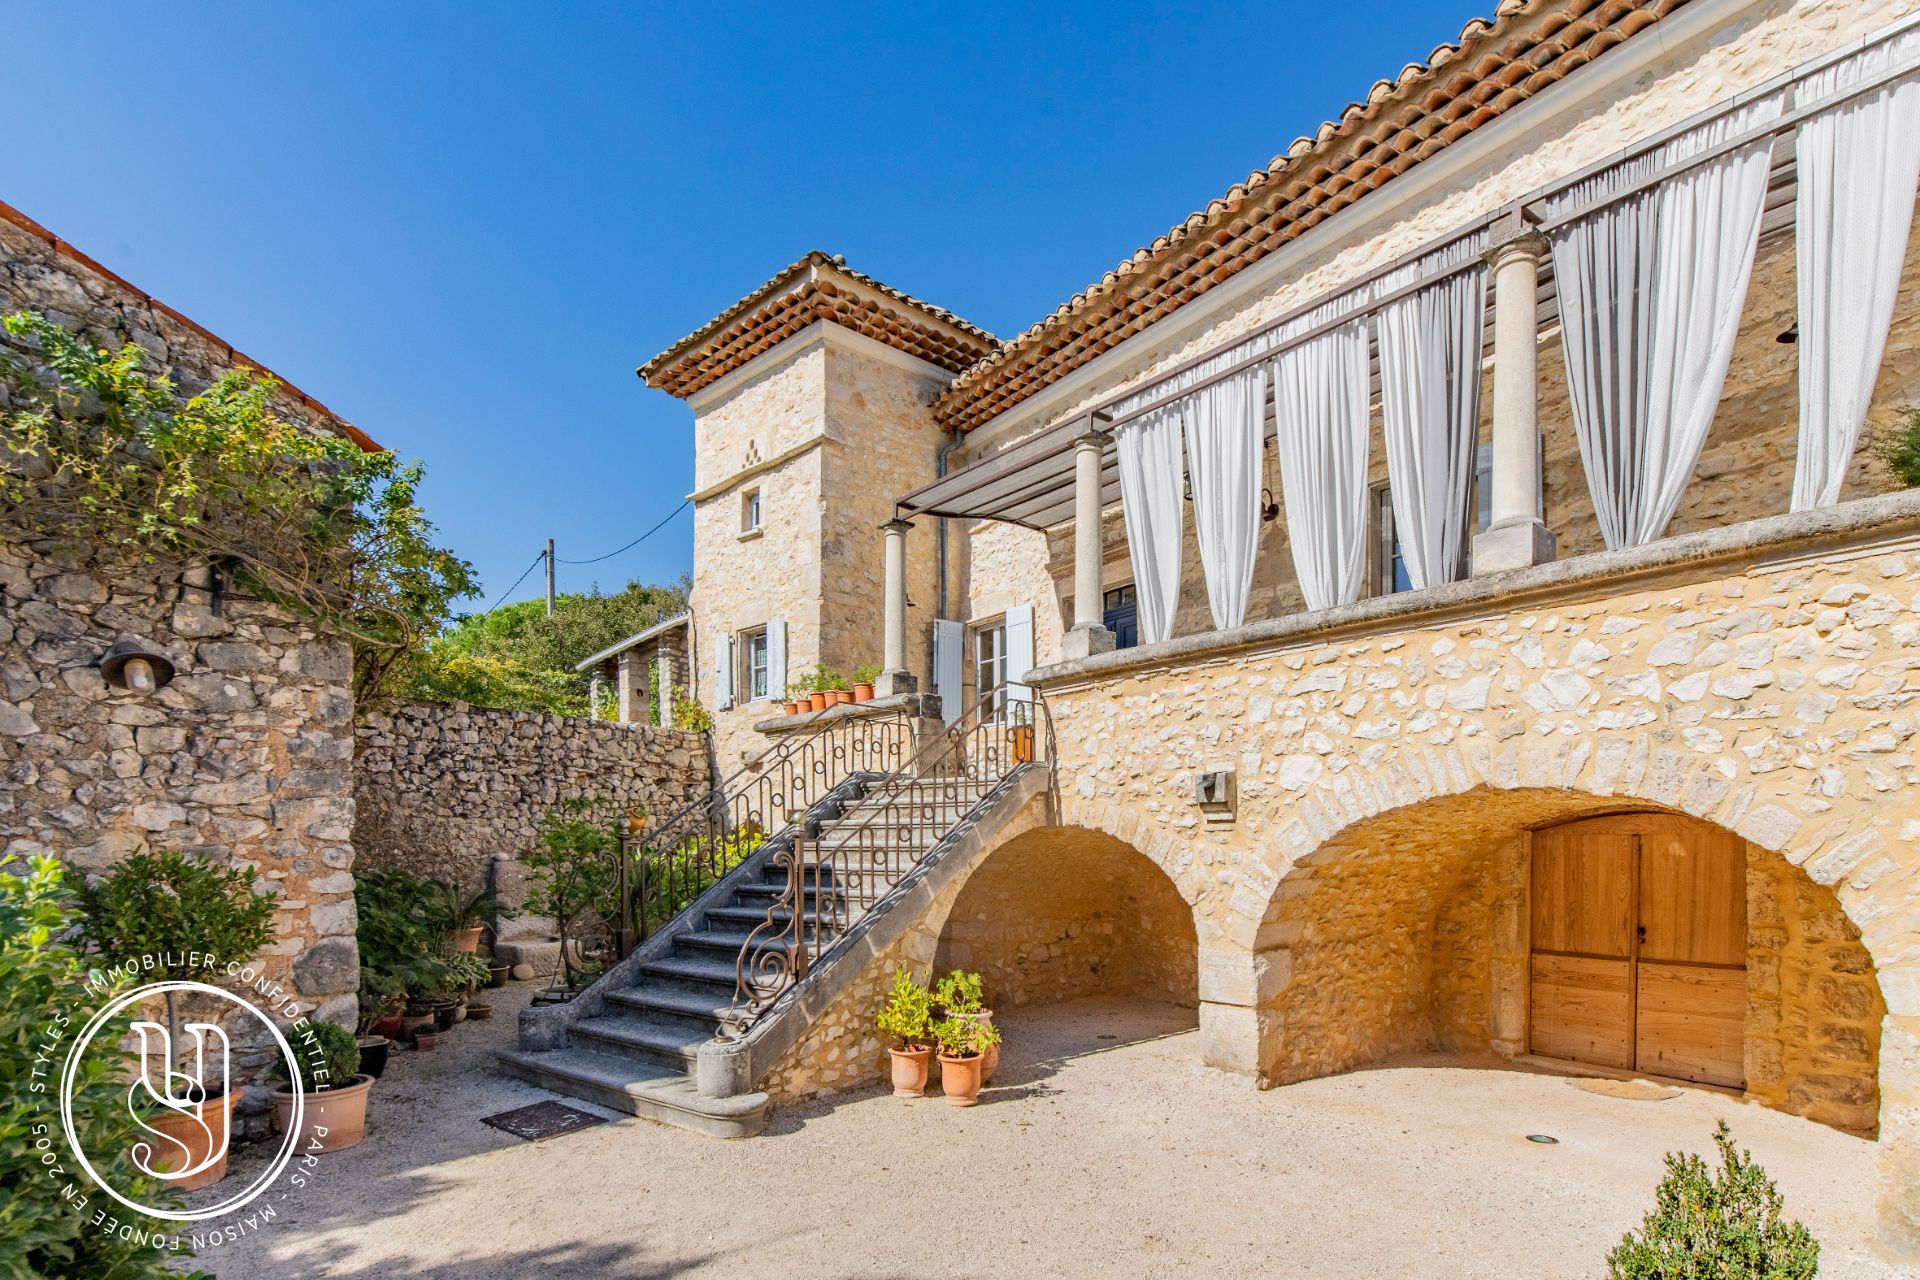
(1716, 1226)
(320, 1047)
(1898, 448)
(867, 673)
(166, 906)
(673, 881)
(397, 933)
(908, 1011)
(688, 714)
(42, 1236)
(572, 875)
(466, 970)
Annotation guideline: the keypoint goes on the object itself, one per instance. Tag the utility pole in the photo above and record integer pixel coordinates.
(549, 577)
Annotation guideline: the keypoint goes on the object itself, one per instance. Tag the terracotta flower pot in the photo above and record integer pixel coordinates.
(863, 693)
(816, 702)
(960, 1080)
(199, 1136)
(335, 1119)
(468, 940)
(388, 1026)
(910, 1070)
(990, 1059)
(479, 1012)
(423, 1040)
(793, 708)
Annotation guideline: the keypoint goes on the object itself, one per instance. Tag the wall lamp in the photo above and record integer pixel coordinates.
(130, 665)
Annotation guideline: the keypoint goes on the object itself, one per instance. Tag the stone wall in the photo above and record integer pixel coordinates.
(245, 758)
(441, 788)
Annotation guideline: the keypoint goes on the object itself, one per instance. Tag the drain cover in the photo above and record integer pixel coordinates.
(543, 1120)
(1543, 1139)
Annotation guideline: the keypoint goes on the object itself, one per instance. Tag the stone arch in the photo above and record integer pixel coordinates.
(1063, 912)
(1406, 931)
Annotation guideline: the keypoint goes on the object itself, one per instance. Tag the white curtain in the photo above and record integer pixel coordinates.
(1650, 290)
(1225, 423)
(1320, 416)
(1148, 450)
(1430, 345)
(1858, 166)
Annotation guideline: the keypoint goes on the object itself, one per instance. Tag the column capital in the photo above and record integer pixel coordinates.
(1529, 244)
(896, 525)
(1093, 437)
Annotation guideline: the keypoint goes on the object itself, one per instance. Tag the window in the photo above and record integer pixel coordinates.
(990, 666)
(1483, 487)
(750, 511)
(1119, 613)
(753, 663)
(1389, 566)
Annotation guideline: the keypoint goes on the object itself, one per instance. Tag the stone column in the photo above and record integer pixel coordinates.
(1088, 634)
(1897, 1198)
(894, 676)
(1515, 537)
(1511, 946)
(1239, 1032)
(631, 689)
(596, 687)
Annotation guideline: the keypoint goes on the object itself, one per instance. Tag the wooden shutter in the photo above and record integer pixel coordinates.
(1019, 625)
(777, 659)
(949, 669)
(723, 673)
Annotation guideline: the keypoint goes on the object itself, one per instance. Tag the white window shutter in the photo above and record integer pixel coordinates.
(1019, 626)
(777, 659)
(949, 672)
(723, 673)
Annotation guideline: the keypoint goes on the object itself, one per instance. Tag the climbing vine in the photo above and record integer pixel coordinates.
(106, 459)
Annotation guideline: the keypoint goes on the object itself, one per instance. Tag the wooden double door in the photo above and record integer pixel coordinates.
(1639, 941)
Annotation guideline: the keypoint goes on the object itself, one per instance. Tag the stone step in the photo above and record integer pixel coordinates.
(700, 1011)
(641, 1039)
(652, 1092)
(728, 942)
(705, 973)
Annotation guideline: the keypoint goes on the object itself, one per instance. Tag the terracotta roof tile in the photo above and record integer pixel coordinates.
(1492, 67)
(817, 287)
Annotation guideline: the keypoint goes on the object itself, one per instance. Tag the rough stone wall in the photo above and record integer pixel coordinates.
(843, 1048)
(1059, 914)
(244, 758)
(442, 787)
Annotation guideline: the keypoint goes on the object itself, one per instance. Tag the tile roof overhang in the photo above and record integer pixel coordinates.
(677, 621)
(1492, 68)
(234, 356)
(817, 287)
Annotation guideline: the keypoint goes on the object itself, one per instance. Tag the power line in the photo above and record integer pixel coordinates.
(517, 581)
(636, 542)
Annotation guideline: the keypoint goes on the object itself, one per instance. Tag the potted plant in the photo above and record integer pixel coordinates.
(807, 685)
(382, 997)
(467, 974)
(166, 907)
(479, 1010)
(960, 995)
(863, 678)
(834, 686)
(328, 1075)
(963, 1043)
(1020, 736)
(463, 914)
(903, 1021)
(497, 973)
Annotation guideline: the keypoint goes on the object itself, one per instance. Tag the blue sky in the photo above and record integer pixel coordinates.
(462, 226)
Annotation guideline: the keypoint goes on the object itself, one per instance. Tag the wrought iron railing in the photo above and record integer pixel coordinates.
(849, 855)
(663, 866)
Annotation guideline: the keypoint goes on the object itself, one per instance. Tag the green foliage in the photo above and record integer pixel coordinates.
(959, 992)
(466, 971)
(572, 874)
(452, 908)
(1897, 448)
(866, 674)
(102, 456)
(397, 935)
(42, 1237)
(905, 1016)
(439, 673)
(320, 1047)
(964, 1037)
(827, 680)
(673, 880)
(378, 992)
(156, 904)
(688, 714)
(1716, 1226)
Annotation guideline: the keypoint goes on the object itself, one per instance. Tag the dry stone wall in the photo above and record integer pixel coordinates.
(441, 788)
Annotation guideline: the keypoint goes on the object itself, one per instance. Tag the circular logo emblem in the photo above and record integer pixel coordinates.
(181, 1099)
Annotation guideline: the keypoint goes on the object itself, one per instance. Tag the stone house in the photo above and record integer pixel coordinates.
(1452, 604)
(644, 673)
(246, 755)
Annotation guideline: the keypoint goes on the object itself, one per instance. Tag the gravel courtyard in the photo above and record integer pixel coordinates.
(1101, 1149)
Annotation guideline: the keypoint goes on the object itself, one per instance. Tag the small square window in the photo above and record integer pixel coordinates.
(753, 663)
(750, 511)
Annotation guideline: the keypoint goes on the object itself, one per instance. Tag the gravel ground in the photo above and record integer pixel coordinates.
(1101, 1149)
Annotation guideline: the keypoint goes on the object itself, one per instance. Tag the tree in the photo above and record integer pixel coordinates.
(106, 459)
(1716, 1226)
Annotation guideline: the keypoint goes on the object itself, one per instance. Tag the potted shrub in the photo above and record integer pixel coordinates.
(903, 1021)
(959, 995)
(834, 686)
(166, 906)
(462, 914)
(382, 998)
(807, 685)
(963, 1043)
(863, 678)
(467, 974)
(328, 1074)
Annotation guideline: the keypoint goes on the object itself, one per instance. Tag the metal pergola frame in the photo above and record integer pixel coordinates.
(1030, 483)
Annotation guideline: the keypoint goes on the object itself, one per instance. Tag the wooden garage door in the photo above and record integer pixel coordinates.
(1639, 946)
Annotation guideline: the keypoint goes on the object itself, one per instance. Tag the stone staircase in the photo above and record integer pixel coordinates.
(634, 1041)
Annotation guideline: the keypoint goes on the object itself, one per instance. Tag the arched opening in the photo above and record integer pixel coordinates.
(1542, 926)
(1064, 913)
